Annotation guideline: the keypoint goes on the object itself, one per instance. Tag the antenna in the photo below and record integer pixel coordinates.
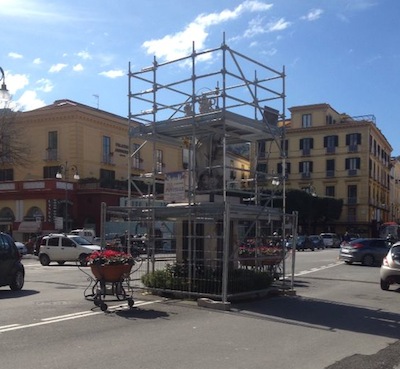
(97, 97)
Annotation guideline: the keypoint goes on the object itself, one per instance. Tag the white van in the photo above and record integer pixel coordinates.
(62, 248)
(87, 233)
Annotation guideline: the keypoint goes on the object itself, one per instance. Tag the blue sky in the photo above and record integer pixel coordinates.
(341, 52)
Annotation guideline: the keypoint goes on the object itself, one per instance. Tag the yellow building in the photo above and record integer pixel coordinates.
(338, 156)
(67, 141)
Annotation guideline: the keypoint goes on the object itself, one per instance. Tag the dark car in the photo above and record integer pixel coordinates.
(303, 243)
(367, 251)
(317, 241)
(12, 272)
(390, 268)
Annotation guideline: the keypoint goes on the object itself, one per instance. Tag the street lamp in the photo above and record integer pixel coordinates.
(4, 94)
(63, 170)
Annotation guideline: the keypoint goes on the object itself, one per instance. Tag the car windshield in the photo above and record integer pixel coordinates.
(81, 241)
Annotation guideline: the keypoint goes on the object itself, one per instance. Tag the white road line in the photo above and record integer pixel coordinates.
(303, 272)
(61, 318)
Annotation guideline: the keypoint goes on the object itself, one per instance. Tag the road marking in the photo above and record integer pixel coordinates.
(303, 272)
(81, 314)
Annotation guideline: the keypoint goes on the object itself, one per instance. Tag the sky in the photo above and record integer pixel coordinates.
(341, 52)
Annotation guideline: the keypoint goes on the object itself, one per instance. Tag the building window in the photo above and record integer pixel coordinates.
(107, 155)
(330, 168)
(185, 158)
(330, 143)
(352, 165)
(279, 168)
(6, 175)
(159, 161)
(284, 147)
(136, 159)
(306, 120)
(330, 120)
(352, 141)
(50, 172)
(232, 170)
(52, 146)
(352, 194)
(261, 149)
(330, 191)
(107, 178)
(305, 169)
(261, 170)
(306, 144)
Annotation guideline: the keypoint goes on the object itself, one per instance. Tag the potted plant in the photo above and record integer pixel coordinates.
(110, 265)
(266, 253)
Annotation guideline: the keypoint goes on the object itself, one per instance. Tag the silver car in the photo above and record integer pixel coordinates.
(390, 269)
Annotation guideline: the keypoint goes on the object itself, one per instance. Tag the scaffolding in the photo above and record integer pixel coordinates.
(222, 102)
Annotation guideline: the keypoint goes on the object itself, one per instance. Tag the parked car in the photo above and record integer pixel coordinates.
(317, 241)
(331, 239)
(303, 243)
(62, 248)
(12, 272)
(21, 248)
(390, 268)
(367, 251)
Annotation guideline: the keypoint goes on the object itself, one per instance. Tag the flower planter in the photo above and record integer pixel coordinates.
(111, 272)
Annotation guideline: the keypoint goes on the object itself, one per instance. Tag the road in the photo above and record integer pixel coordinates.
(339, 318)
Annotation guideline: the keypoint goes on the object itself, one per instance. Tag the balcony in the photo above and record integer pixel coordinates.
(352, 172)
(330, 173)
(330, 149)
(305, 175)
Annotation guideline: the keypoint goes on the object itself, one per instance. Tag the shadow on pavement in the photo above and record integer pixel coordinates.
(325, 315)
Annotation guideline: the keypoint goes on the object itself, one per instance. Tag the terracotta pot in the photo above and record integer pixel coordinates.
(111, 273)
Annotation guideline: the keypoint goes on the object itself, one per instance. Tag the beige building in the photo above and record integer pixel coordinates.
(67, 140)
(341, 157)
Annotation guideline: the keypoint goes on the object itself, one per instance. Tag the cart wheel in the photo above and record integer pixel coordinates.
(131, 302)
(103, 306)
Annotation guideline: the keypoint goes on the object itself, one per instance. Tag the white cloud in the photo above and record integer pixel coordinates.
(45, 85)
(29, 101)
(16, 82)
(313, 15)
(77, 68)
(113, 73)
(84, 55)
(57, 67)
(15, 55)
(37, 61)
(255, 27)
(179, 44)
(278, 25)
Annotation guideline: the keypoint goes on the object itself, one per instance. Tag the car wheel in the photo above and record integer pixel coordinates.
(82, 260)
(44, 259)
(368, 260)
(18, 281)
(384, 285)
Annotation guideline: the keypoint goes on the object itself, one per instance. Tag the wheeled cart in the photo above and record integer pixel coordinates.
(101, 291)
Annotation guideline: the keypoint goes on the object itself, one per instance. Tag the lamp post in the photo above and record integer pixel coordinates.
(63, 171)
(4, 94)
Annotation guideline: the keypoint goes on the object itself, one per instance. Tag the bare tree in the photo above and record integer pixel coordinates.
(14, 150)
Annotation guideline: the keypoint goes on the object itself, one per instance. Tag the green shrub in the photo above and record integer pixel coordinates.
(206, 280)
